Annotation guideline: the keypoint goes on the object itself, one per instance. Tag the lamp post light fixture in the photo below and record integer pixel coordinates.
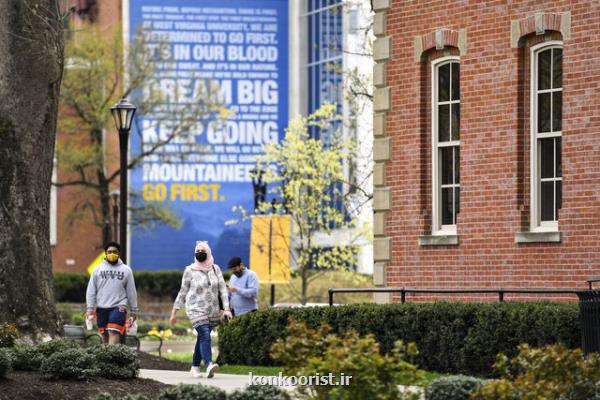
(114, 195)
(123, 113)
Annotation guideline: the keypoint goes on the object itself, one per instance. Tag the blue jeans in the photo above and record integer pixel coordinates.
(202, 349)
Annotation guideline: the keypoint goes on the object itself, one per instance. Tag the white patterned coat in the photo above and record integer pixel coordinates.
(199, 294)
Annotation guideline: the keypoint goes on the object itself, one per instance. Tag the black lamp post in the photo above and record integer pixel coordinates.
(115, 208)
(123, 113)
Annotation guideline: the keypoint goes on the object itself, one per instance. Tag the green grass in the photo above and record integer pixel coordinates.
(186, 357)
(246, 369)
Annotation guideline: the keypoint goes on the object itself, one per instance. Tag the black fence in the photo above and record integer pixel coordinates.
(403, 291)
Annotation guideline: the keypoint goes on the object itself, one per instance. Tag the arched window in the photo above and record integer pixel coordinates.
(546, 135)
(445, 144)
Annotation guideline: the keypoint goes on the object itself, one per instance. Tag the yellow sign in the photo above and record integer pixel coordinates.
(270, 241)
(97, 261)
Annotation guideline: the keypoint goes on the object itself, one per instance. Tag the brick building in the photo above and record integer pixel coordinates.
(75, 242)
(487, 142)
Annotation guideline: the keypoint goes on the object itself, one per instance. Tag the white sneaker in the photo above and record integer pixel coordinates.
(195, 372)
(212, 368)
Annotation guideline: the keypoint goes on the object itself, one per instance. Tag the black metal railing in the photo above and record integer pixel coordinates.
(589, 318)
(403, 291)
(592, 280)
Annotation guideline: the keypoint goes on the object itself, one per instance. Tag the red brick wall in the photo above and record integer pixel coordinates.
(494, 149)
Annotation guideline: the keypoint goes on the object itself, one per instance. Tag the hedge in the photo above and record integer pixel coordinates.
(450, 337)
(70, 287)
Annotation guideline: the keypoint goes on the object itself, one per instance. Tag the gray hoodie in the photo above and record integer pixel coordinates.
(111, 286)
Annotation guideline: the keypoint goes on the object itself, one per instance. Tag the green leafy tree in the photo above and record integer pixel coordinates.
(93, 82)
(310, 181)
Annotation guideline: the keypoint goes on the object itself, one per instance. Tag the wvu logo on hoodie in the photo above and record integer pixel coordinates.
(112, 275)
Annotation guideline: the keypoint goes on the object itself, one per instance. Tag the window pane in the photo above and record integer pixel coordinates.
(444, 82)
(456, 202)
(547, 201)
(456, 121)
(558, 157)
(544, 62)
(547, 158)
(446, 165)
(455, 81)
(456, 164)
(556, 111)
(447, 214)
(444, 123)
(558, 197)
(543, 112)
(557, 68)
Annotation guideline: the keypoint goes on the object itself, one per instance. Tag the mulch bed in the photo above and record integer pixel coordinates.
(32, 385)
(148, 361)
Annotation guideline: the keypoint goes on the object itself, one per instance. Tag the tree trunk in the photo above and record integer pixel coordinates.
(304, 283)
(31, 62)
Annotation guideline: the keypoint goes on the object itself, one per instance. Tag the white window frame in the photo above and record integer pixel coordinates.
(536, 225)
(436, 216)
(53, 204)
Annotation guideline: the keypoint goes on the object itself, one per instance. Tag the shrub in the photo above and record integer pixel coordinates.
(29, 358)
(192, 392)
(8, 335)
(25, 358)
(70, 287)
(5, 363)
(256, 392)
(317, 352)
(159, 283)
(458, 387)
(451, 337)
(70, 364)
(115, 361)
(57, 345)
(551, 372)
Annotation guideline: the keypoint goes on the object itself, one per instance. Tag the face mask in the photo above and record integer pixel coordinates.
(112, 258)
(201, 256)
(239, 273)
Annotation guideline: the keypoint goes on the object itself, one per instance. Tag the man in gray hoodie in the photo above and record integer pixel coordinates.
(110, 291)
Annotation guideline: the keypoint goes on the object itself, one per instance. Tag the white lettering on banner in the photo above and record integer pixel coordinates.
(208, 53)
(175, 172)
(154, 131)
(244, 132)
(252, 53)
(257, 92)
(190, 90)
(230, 54)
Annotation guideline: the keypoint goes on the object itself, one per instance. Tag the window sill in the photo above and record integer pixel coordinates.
(538, 237)
(439, 240)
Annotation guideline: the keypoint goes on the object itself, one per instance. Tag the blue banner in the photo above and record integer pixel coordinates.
(241, 46)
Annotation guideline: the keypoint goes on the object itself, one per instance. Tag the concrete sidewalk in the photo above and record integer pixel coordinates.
(227, 382)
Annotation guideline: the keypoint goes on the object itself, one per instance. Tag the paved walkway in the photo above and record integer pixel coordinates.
(227, 382)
